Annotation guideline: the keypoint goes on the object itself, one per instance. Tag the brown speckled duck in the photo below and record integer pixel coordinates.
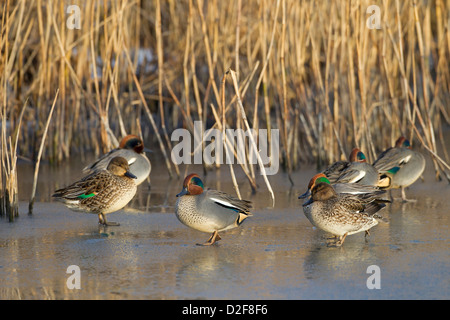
(351, 188)
(101, 192)
(342, 214)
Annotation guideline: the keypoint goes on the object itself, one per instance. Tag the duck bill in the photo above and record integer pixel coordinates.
(130, 175)
(183, 192)
(305, 195)
(308, 202)
(147, 150)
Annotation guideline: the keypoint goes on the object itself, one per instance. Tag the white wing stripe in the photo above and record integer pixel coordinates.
(358, 177)
(224, 203)
(405, 160)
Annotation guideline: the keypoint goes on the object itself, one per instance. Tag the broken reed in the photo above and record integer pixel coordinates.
(312, 69)
(9, 202)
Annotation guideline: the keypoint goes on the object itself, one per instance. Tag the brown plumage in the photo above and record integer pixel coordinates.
(101, 192)
(343, 214)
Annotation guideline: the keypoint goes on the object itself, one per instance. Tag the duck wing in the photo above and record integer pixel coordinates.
(103, 161)
(228, 201)
(366, 203)
(334, 171)
(392, 158)
(87, 187)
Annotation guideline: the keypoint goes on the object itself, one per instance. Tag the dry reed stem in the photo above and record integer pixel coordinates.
(208, 50)
(11, 178)
(41, 149)
(325, 80)
(150, 117)
(161, 76)
(229, 147)
(252, 140)
(224, 137)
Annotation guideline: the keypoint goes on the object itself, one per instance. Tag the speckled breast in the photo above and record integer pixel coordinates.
(187, 212)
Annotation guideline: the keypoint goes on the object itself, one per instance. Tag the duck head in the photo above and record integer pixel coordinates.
(402, 142)
(357, 156)
(192, 185)
(119, 166)
(133, 142)
(318, 178)
(322, 191)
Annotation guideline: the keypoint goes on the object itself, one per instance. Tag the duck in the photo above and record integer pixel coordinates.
(349, 188)
(399, 167)
(342, 214)
(356, 170)
(101, 192)
(131, 148)
(209, 211)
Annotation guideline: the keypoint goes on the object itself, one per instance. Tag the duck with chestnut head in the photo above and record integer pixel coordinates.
(356, 170)
(399, 166)
(209, 210)
(132, 149)
(340, 188)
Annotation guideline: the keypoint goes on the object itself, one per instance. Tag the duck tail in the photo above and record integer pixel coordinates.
(242, 216)
(380, 218)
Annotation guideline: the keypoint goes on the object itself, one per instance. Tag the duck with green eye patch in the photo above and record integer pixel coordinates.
(209, 211)
(356, 170)
(399, 166)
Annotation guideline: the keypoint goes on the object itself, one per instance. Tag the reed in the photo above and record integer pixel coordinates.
(9, 201)
(312, 69)
(41, 148)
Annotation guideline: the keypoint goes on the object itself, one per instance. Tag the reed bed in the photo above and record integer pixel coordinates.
(312, 69)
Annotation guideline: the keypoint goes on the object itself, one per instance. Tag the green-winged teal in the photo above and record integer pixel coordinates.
(342, 214)
(209, 211)
(356, 170)
(101, 192)
(132, 149)
(352, 188)
(399, 166)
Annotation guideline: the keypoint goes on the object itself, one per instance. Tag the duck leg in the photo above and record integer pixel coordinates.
(341, 240)
(404, 199)
(102, 221)
(214, 237)
(366, 235)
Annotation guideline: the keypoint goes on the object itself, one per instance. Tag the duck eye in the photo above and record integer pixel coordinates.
(361, 156)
